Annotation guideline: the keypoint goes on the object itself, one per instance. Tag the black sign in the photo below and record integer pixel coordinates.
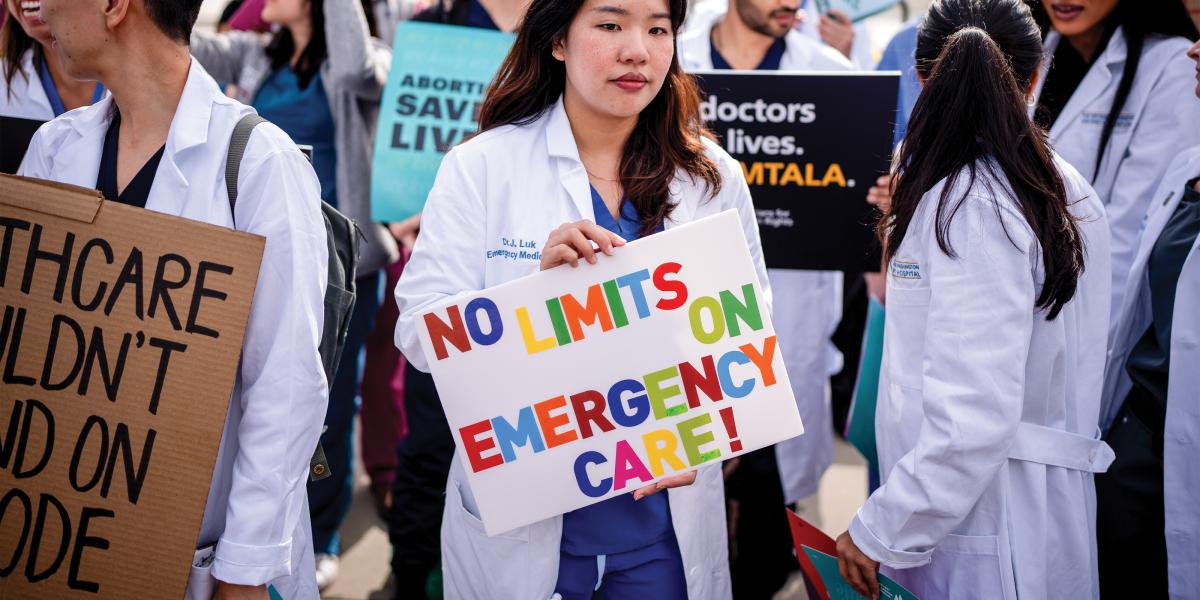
(16, 134)
(810, 146)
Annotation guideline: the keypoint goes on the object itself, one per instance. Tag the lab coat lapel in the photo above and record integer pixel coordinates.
(78, 160)
(561, 145)
(188, 133)
(1093, 85)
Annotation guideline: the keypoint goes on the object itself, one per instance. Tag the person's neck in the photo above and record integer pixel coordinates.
(739, 45)
(599, 139)
(74, 93)
(1087, 43)
(505, 13)
(301, 35)
(146, 79)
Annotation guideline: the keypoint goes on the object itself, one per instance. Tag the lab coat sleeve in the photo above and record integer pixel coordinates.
(1169, 126)
(977, 338)
(738, 190)
(36, 162)
(448, 259)
(282, 381)
(224, 54)
(357, 61)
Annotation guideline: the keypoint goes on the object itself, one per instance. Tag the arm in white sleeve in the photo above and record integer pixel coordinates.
(282, 381)
(734, 180)
(448, 258)
(977, 340)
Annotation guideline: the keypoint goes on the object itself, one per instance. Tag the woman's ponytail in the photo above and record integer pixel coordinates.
(977, 59)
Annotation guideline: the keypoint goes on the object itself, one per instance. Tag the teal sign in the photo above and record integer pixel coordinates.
(839, 588)
(431, 103)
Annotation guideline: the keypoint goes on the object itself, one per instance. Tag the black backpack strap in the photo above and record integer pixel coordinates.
(233, 160)
(318, 467)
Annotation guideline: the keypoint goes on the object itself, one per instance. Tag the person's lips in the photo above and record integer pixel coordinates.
(784, 17)
(631, 82)
(1065, 11)
(31, 11)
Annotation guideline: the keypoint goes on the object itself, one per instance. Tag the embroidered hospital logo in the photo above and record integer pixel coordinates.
(906, 270)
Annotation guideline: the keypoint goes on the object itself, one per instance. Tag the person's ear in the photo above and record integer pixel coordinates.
(115, 12)
(558, 49)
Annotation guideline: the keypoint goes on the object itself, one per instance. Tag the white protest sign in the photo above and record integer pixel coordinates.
(574, 385)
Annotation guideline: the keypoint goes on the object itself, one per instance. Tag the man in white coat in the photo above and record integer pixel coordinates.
(760, 35)
(167, 127)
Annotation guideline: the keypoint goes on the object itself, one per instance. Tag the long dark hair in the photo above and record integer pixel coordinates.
(282, 45)
(668, 133)
(1138, 21)
(14, 42)
(977, 58)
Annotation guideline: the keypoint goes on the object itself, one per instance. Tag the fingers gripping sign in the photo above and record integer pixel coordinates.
(579, 240)
(857, 568)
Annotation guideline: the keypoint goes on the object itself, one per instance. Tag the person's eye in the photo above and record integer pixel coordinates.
(609, 26)
(659, 31)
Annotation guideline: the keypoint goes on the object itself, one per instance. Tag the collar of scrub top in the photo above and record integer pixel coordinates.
(560, 145)
(56, 103)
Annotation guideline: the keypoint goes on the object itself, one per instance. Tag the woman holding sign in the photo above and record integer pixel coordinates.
(591, 136)
(319, 78)
(998, 293)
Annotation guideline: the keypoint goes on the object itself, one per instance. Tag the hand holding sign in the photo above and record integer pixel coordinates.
(572, 241)
(571, 386)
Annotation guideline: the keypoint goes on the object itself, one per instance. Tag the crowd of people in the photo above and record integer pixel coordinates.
(1040, 228)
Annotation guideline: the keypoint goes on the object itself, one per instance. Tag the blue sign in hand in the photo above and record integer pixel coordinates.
(430, 104)
(839, 589)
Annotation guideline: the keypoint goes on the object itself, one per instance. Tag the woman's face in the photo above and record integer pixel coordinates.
(1194, 54)
(618, 54)
(286, 12)
(1075, 17)
(28, 13)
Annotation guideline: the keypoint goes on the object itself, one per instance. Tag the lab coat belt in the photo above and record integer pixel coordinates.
(1055, 447)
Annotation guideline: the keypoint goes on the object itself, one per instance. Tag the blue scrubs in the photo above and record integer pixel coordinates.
(56, 103)
(303, 114)
(621, 547)
(770, 60)
(900, 55)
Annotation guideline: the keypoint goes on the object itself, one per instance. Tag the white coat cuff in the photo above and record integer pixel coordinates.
(251, 565)
(872, 546)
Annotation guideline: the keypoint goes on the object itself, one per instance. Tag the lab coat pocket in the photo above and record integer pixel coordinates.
(482, 566)
(201, 584)
(966, 566)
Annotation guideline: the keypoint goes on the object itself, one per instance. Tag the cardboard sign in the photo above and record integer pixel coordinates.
(574, 385)
(120, 332)
(810, 145)
(431, 102)
(856, 10)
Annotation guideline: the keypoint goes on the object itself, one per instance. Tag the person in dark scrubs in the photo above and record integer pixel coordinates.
(414, 515)
(1131, 499)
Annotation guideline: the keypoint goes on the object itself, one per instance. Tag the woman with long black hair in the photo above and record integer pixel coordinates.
(998, 291)
(319, 77)
(590, 133)
(1112, 92)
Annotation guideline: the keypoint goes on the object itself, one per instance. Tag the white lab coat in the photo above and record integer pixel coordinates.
(987, 417)
(808, 304)
(522, 182)
(25, 98)
(257, 507)
(1160, 119)
(1181, 470)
